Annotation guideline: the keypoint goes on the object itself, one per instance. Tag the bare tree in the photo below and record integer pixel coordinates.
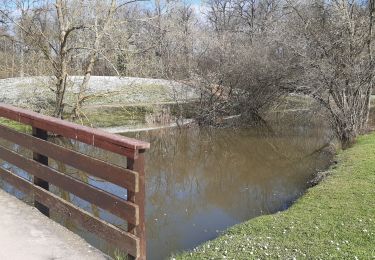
(49, 33)
(65, 33)
(239, 68)
(102, 26)
(332, 49)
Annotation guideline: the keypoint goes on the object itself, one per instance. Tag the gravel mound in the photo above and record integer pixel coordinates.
(35, 92)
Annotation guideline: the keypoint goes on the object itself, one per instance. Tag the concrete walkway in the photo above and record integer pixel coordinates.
(27, 234)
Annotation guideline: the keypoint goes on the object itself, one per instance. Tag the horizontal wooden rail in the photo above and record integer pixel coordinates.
(114, 143)
(132, 178)
(105, 200)
(123, 240)
(123, 177)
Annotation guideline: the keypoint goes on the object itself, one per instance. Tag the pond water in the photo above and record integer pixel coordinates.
(200, 181)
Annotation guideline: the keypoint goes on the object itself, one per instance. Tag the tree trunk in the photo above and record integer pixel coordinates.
(60, 94)
(22, 59)
(366, 109)
(82, 95)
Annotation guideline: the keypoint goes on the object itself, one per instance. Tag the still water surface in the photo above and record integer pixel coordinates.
(200, 181)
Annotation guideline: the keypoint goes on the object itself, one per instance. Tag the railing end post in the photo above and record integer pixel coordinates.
(138, 165)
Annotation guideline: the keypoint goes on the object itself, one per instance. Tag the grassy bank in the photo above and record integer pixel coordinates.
(15, 125)
(333, 220)
(109, 117)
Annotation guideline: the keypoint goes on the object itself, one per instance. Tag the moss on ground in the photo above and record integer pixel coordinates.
(109, 117)
(99, 117)
(15, 125)
(333, 220)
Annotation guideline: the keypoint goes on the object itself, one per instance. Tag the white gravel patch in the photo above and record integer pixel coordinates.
(34, 92)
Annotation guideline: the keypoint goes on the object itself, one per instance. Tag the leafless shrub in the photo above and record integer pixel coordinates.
(332, 47)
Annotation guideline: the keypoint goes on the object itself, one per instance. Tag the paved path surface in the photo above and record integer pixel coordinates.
(27, 234)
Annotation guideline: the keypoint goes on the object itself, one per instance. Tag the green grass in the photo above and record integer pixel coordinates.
(99, 117)
(109, 117)
(119, 255)
(333, 220)
(15, 125)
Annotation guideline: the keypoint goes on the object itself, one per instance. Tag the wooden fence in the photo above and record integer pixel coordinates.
(132, 209)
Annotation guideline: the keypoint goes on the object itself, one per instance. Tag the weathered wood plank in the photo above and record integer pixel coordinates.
(117, 237)
(120, 207)
(123, 177)
(140, 199)
(115, 143)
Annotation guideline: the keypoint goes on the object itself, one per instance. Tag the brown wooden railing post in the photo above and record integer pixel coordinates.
(41, 134)
(139, 198)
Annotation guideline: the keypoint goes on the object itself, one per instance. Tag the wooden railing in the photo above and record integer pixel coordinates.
(132, 209)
